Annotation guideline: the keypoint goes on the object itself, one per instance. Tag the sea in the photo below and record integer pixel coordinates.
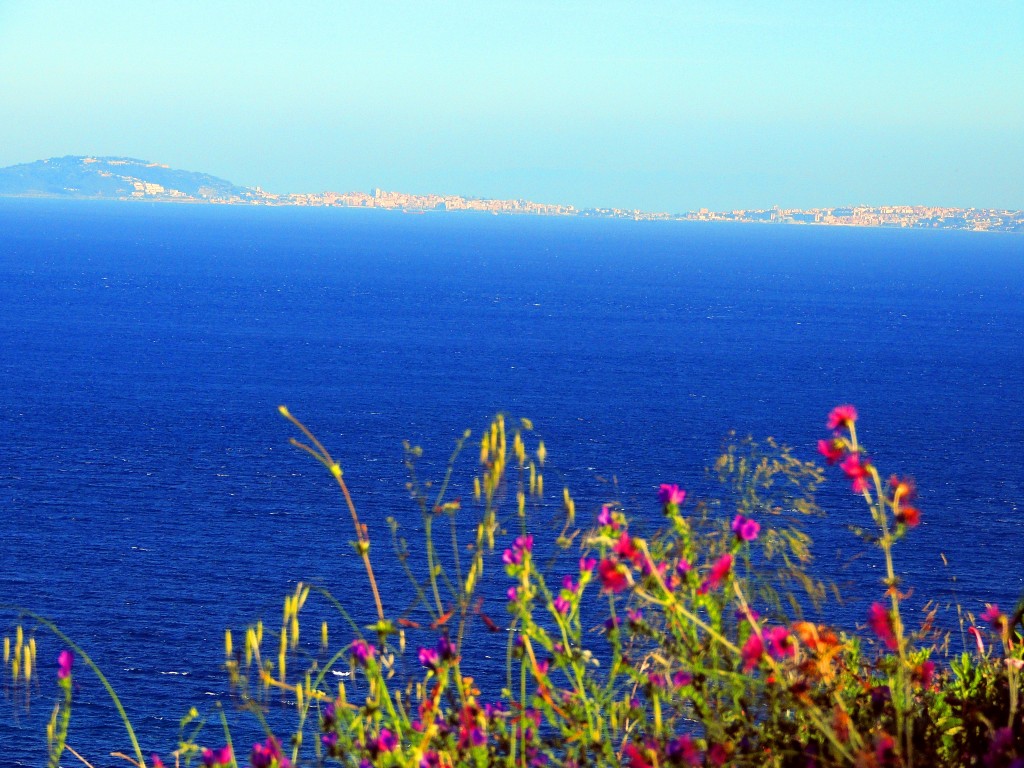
(149, 497)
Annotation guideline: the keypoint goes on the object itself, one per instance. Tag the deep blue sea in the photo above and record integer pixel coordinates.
(149, 498)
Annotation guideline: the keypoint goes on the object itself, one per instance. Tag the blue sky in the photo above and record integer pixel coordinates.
(660, 106)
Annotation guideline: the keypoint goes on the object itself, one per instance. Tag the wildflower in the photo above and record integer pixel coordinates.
(269, 755)
(387, 741)
(562, 605)
(625, 549)
(880, 621)
(587, 564)
(842, 416)
(604, 517)
(683, 751)
(429, 658)
(885, 749)
(64, 661)
(909, 516)
(992, 616)
(751, 652)
(902, 489)
(634, 616)
(217, 757)
(679, 679)
(657, 680)
(636, 757)
(924, 673)
(719, 571)
(568, 584)
(857, 471)
(614, 576)
(524, 543)
(745, 528)
(977, 640)
(362, 652)
(671, 495)
(717, 755)
(512, 556)
(832, 450)
(157, 762)
(780, 643)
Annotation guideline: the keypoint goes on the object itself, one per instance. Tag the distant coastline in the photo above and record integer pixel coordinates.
(120, 178)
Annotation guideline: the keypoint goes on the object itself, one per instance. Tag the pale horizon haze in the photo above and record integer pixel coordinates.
(661, 106)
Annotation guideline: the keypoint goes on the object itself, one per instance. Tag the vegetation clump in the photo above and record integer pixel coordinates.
(684, 648)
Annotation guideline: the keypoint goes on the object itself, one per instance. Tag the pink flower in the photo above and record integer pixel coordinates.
(387, 741)
(842, 416)
(671, 494)
(562, 605)
(217, 757)
(524, 543)
(604, 517)
(683, 751)
(832, 450)
(856, 471)
(683, 566)
(613, 575)
(718, 573)
(745, 528)
(780, 643)
(977, 640)
(679, 679)
(992, 615)
(880, 621)
(64, 661)
(587, 564)
(751, 652)
(635, 757)
(512, 594)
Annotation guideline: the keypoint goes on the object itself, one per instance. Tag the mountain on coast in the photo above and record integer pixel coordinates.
(115, 178)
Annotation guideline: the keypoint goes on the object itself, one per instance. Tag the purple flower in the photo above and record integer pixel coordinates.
(512, 556)
(512, 594)
(562, 605)
(679, 679)
(362, 652)
(671, 494)
(387, 741)
(445, 649)
(212, 757)
(745, 528)
(568, 584)
(64, 661)
(525, 543)
(604, 517)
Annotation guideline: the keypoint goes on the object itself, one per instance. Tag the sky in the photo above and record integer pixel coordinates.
(660, 106)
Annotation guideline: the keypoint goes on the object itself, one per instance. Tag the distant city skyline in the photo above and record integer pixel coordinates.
(661, 106)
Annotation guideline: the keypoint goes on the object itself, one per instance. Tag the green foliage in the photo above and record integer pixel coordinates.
(684, 648)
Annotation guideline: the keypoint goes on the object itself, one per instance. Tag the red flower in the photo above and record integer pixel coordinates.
(832, 450)
(624, 548)
(842, 416)
(992, 615)
(613, 575)
(909, 516)
(635, 756)
(880, 621)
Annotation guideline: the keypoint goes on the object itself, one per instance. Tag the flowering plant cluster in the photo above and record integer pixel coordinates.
(672, 649)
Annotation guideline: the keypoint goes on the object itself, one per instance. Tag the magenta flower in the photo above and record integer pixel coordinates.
(604, 517)
(562, 605)
(524, 543)
(362, 652)
(429, 658)
(679, 679)
(857, 471)
(992, 616)
(625, 549)
(263, 755)
(751, 652)
(512, 556)
(387, 741)
(832, 450)
(671, 494)
(880, 622)
(683, 751)
(842, 416)
(683, 567)
(780, 643)
(719, 571)
(217, 757)
(64, 661)
(512, 594)
(745, 528)
(587, 564)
